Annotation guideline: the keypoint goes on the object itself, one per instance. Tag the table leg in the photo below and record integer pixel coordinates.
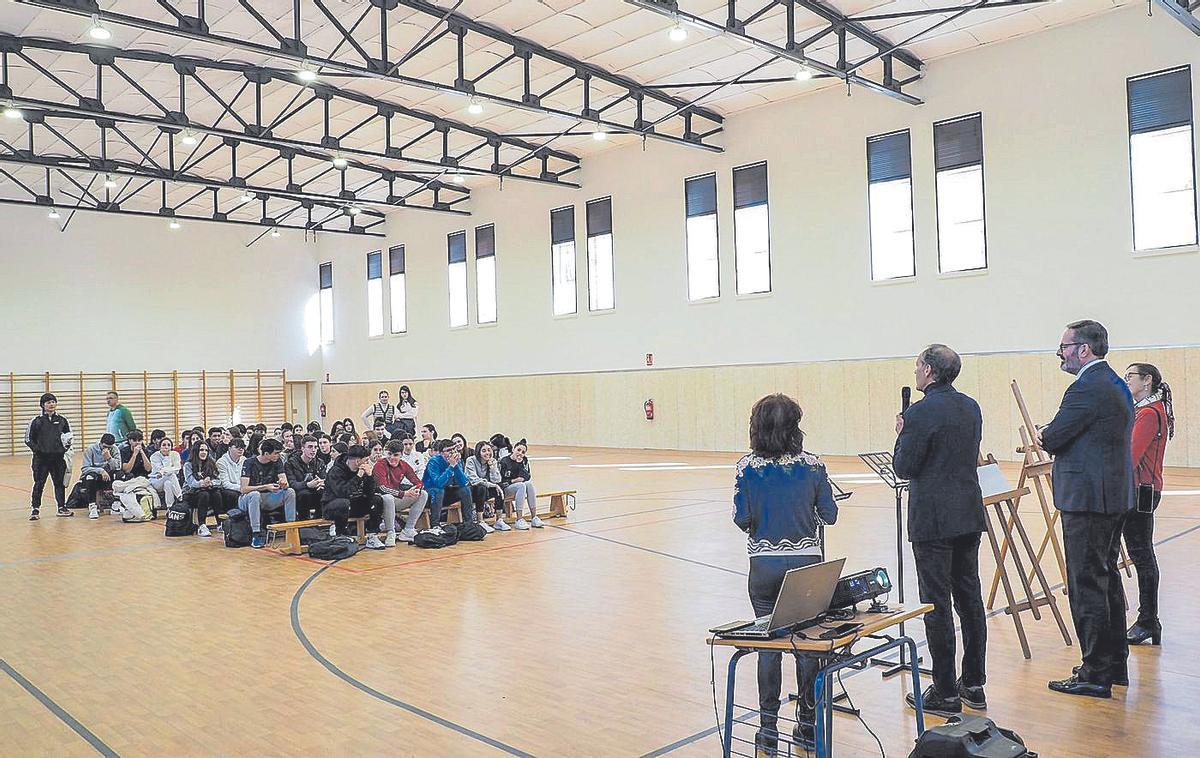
(730, 679)
(916, 682)
(823, 718)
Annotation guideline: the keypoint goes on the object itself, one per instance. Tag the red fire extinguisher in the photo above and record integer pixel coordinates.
(322, 410)
(650, 409)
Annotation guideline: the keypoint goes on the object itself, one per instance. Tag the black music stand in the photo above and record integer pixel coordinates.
(881, 465)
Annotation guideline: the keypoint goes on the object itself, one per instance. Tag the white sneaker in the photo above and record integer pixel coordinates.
(203, 531)
(93, 511)
(373, 543)
(536, 523)
(407, 535)
(486, 528)
(502, 525)
(333, 530)
(521, 524)
(391, 539)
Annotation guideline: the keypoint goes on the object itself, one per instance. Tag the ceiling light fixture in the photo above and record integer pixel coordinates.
(677, 33)
(188, 138)
(275, 233)
(247, 197)
(599, 135)
(475, 108)
(306, 73)
(109, 182)
(339, 162)
(458, 178)
(353, 210)
(53, 213)
(99, 31)
(173, 225)
(12, 111)
(803, 74)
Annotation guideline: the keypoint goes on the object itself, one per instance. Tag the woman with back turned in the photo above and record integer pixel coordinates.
(781, 498)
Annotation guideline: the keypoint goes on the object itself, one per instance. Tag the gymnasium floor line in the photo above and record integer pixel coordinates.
(650, 550)
(639, 513)
(58, 711)
(367, 689)
(921, 644)
(94, 553)
(453, 555)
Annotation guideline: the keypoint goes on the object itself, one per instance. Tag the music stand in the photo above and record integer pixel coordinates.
(881, 464)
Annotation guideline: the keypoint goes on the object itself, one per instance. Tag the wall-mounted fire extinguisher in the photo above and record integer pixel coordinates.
(322, 410)
(650, 409)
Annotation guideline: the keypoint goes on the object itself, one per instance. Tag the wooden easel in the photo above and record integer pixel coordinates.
(998, 494)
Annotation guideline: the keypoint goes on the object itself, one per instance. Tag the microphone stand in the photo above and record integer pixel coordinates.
(881, 464)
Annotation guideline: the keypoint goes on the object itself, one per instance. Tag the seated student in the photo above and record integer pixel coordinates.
(514, 471)
(464, 447)
(348, 428)
(314, 428)
(264, 487)
(453, 491)
(502, 445)
(298, 431)
(381, 431)
(428, 437)
(376, 451)
(101, 463)
(409, 454)
(253, 445)
(445, 468)
(165, 466)
(484, 474)
(156, 436)
(336, 430)
(324, 450)
(135, 458)
(398, 482)
(289, 443)
(185, 443)
(306, 475)
(229, 469)
(216, 442)
(336, 451)
(202, 486)
(350, 491)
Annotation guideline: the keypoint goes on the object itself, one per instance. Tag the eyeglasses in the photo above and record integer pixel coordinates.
(1064, 345)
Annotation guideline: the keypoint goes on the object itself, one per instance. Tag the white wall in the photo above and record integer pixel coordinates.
(1058, 216)
(128, 294)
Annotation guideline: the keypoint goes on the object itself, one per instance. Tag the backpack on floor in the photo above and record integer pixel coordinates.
(970, 737)
(78, 496)
(471, 531)
(237, 529)
(179, 521)
(335, 549)
(311, 534)
(142, 509)
(440, 536)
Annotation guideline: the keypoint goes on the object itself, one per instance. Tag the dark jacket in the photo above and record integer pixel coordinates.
(781, 503)
(510, 469)
(1090, 440)
(44, 435)
(299, 473)
(342, 482)
(938, 453)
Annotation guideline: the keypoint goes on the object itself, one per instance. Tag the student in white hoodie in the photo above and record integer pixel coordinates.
(165, 466)
(410, 456)
(229, 468)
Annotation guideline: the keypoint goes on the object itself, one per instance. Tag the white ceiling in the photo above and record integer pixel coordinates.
(608, 33)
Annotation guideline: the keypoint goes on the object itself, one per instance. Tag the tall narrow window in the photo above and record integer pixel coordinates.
(398, 293)
(1161, 159)
(600, 254)
(485, 273)
(889, 206)
(958, 159)
(375, 294)
(562, 259)
(456, 248)
(325, 281)
(703, 266)
(751, 230)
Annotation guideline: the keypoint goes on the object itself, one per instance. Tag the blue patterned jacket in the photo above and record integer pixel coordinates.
(781, 502)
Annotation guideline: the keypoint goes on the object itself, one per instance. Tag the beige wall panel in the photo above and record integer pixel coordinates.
(1187, 424)
(855, 409)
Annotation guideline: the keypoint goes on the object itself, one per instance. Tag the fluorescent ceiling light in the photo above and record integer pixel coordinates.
(475, 108)
(99, 31)
(677, 33)
(53, 213)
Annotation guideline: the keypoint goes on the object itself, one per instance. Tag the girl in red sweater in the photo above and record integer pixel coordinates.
(1153, 425)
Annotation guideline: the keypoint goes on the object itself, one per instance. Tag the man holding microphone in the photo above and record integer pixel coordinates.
(937, 451)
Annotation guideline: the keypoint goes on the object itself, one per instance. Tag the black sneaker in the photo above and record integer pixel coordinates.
(33, 514)
(972, 697)
(804, 735)
(933, 702)
(64, 511)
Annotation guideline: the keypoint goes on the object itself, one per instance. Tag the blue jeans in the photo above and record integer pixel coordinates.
(254, 503)
(438, 499)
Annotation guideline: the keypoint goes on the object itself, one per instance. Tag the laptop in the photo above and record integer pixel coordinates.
(803, 597)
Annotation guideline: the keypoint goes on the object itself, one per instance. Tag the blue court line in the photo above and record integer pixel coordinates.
(58, 711)
(333, 669)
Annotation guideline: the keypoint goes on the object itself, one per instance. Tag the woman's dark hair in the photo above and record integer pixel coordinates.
(456, 436)
(345, 438)
(255, 442)
(348, 425)
(340, 448)
(479, 446)
(775, 427)
(314, 426)
(207, 467)
(1158, 385)
(400, 395)
(156, 435)
(500, 442)
(432, 429)
(336, 428)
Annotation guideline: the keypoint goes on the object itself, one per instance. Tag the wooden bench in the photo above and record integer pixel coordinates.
(291, 534)
(560, 500)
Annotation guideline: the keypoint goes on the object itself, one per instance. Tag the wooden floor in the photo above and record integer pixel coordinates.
(583, 639)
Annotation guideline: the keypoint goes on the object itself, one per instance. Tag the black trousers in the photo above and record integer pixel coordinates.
(766, 577)
(340, 510)
(55, 467)
(1139, 538)
(94, 484)
(452, 494)
(308, 503)
(948, 570)
(1091, 542)
(204, 502)
(228, 500)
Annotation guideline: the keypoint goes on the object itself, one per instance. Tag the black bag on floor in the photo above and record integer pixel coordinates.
(334, 549)
(471, 532)
(313, 534)
(78, 496)
(440, 536)
(970, 737)
(237, 529)
(179, 520)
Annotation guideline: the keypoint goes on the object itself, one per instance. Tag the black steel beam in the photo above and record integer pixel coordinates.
(253, 125)
(359, 62)
(1183, 11)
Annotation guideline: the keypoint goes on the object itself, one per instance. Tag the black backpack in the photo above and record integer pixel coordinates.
(441, 536)
(334, 549)
(471, 531)
(78, 496)
(237, 529)
(970, 737)
(312, 534)
(179, 521)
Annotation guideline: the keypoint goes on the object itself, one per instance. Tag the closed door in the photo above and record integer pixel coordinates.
(297, 395)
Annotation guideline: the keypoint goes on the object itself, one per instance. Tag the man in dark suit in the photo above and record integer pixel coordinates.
(937, 450)
(1093, 487)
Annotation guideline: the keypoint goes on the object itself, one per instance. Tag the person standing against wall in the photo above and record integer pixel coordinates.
(406, 412)
(120, 421)
(44, 438)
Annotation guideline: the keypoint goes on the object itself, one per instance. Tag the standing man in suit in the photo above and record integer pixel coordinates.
(937, 450)
(1093, 487)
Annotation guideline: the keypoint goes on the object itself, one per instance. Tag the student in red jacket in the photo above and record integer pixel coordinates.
(400, 488)
(1153, 425)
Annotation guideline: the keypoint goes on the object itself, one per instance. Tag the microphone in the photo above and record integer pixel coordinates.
(905, 398)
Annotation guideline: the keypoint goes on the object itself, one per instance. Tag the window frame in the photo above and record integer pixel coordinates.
(495, 279)
(321, 267)
(912, 211)
(687, 278)
(982, 193)
(574, 256)
(391, 289)
(382, 306)
(612, 243)
(450, 271)
(737, 289)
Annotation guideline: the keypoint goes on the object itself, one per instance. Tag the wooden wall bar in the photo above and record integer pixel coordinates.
(170, 401)
(849, 406)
